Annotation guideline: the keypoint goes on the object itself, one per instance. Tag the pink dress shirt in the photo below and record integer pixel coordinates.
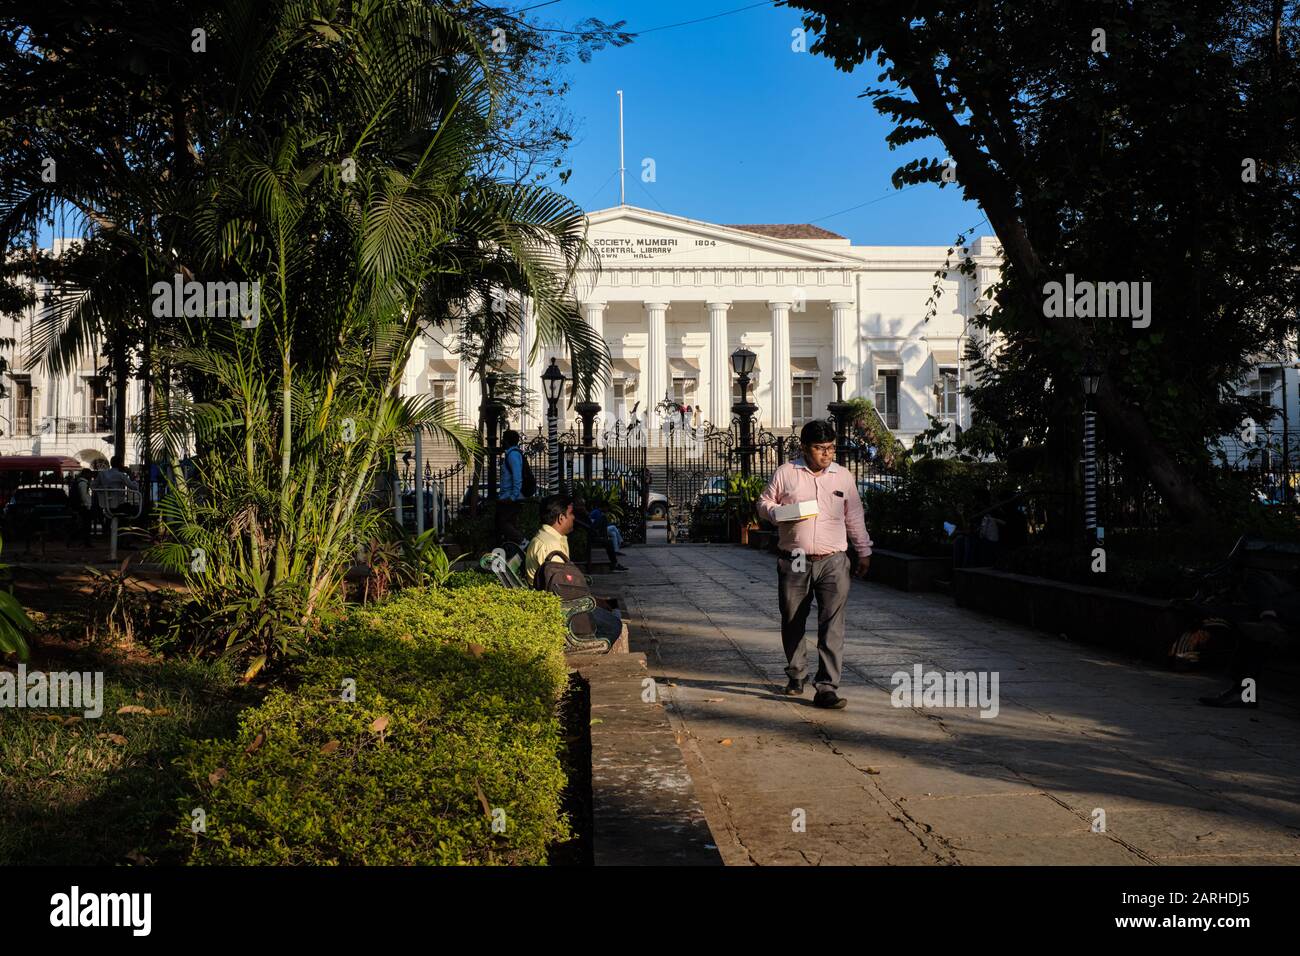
(839, 509)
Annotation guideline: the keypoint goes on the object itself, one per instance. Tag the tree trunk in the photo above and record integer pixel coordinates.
(122, 381)
(1125, 423)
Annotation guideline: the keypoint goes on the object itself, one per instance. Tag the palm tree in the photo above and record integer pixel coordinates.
(361, 221)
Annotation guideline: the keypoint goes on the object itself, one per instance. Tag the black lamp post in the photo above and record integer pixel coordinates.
(553, 387)
(839, 410)
(742, 363)
(490, 411)
(1091, 380)
(587, 410)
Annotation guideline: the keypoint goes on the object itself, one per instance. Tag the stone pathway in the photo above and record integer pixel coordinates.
(1078, 731)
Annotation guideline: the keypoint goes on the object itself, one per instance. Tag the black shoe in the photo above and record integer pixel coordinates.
(795, 687)
(618, 569)
(829, 700)
(1229, 698)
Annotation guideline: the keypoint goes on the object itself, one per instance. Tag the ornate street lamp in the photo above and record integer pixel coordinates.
(490, 411)
(839, 410)
(742, 363)
(587, 410)
(553, 387)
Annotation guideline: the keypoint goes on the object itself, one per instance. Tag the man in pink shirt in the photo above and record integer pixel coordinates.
(814, 557)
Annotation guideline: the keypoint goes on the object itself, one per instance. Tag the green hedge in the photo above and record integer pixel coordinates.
(453, 728)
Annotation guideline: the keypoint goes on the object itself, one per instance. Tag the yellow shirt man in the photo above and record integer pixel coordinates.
(544, 542)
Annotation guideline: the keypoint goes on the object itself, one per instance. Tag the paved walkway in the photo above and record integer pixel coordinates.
(1079, 730)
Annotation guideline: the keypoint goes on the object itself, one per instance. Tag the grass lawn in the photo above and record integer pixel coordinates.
(104, 791)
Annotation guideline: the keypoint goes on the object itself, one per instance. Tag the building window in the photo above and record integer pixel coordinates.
(97, 407)
(22, 405)
(887, 397)
(945, 391)
(801, 400)
(684, 391)
(443, 391)
(1267, 383)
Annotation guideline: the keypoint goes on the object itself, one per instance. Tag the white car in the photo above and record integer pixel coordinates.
(657, 508)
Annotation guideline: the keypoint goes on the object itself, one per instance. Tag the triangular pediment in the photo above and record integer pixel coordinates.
(631, 236)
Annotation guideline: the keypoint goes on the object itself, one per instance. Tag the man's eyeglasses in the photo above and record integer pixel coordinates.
(824, 449)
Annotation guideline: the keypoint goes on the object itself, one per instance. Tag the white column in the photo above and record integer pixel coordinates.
(594, 312)
(843, 330)
(781, 418)
(467, 389)
(719, 365)
(656, 360)
(530, 370)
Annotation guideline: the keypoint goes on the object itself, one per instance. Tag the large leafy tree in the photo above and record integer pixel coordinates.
(1109, 141)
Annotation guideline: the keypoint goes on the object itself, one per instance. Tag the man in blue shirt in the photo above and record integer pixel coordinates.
(510, 489)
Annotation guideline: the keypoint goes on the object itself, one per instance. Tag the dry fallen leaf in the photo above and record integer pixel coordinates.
(113, 739)
(330, 747)
(133, 709)
(257, 742)
(69, 721)
(217, 776)
(160, 712)
(380, 724)
(725, 741)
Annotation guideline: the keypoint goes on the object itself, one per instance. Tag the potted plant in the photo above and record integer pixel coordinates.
(742, 496)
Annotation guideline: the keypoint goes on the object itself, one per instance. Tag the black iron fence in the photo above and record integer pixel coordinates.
(448, 489)
(613, 469)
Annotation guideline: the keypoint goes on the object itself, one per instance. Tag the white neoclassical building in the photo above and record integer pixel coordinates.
(65, 415)
(674, 297)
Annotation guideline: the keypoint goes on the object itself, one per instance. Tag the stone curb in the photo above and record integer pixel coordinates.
(644, 808)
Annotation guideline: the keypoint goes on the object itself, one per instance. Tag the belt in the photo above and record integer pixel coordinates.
(789, 555)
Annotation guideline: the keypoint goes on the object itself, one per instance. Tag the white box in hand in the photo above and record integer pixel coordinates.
(795, 512)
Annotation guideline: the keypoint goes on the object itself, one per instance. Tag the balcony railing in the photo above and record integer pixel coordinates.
(77, 425)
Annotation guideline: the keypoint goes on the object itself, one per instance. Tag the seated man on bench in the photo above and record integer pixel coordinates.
(551, 545)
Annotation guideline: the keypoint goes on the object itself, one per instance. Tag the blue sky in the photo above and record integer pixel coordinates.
(741, 128)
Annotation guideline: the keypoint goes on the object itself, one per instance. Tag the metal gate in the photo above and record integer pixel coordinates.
(699, 460)
(616, 468)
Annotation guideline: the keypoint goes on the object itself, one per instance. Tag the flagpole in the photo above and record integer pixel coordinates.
(622, 192)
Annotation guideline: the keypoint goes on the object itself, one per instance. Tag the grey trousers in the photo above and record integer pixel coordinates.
(829, 580)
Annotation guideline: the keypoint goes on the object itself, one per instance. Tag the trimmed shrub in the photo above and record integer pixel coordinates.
(449, 753)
